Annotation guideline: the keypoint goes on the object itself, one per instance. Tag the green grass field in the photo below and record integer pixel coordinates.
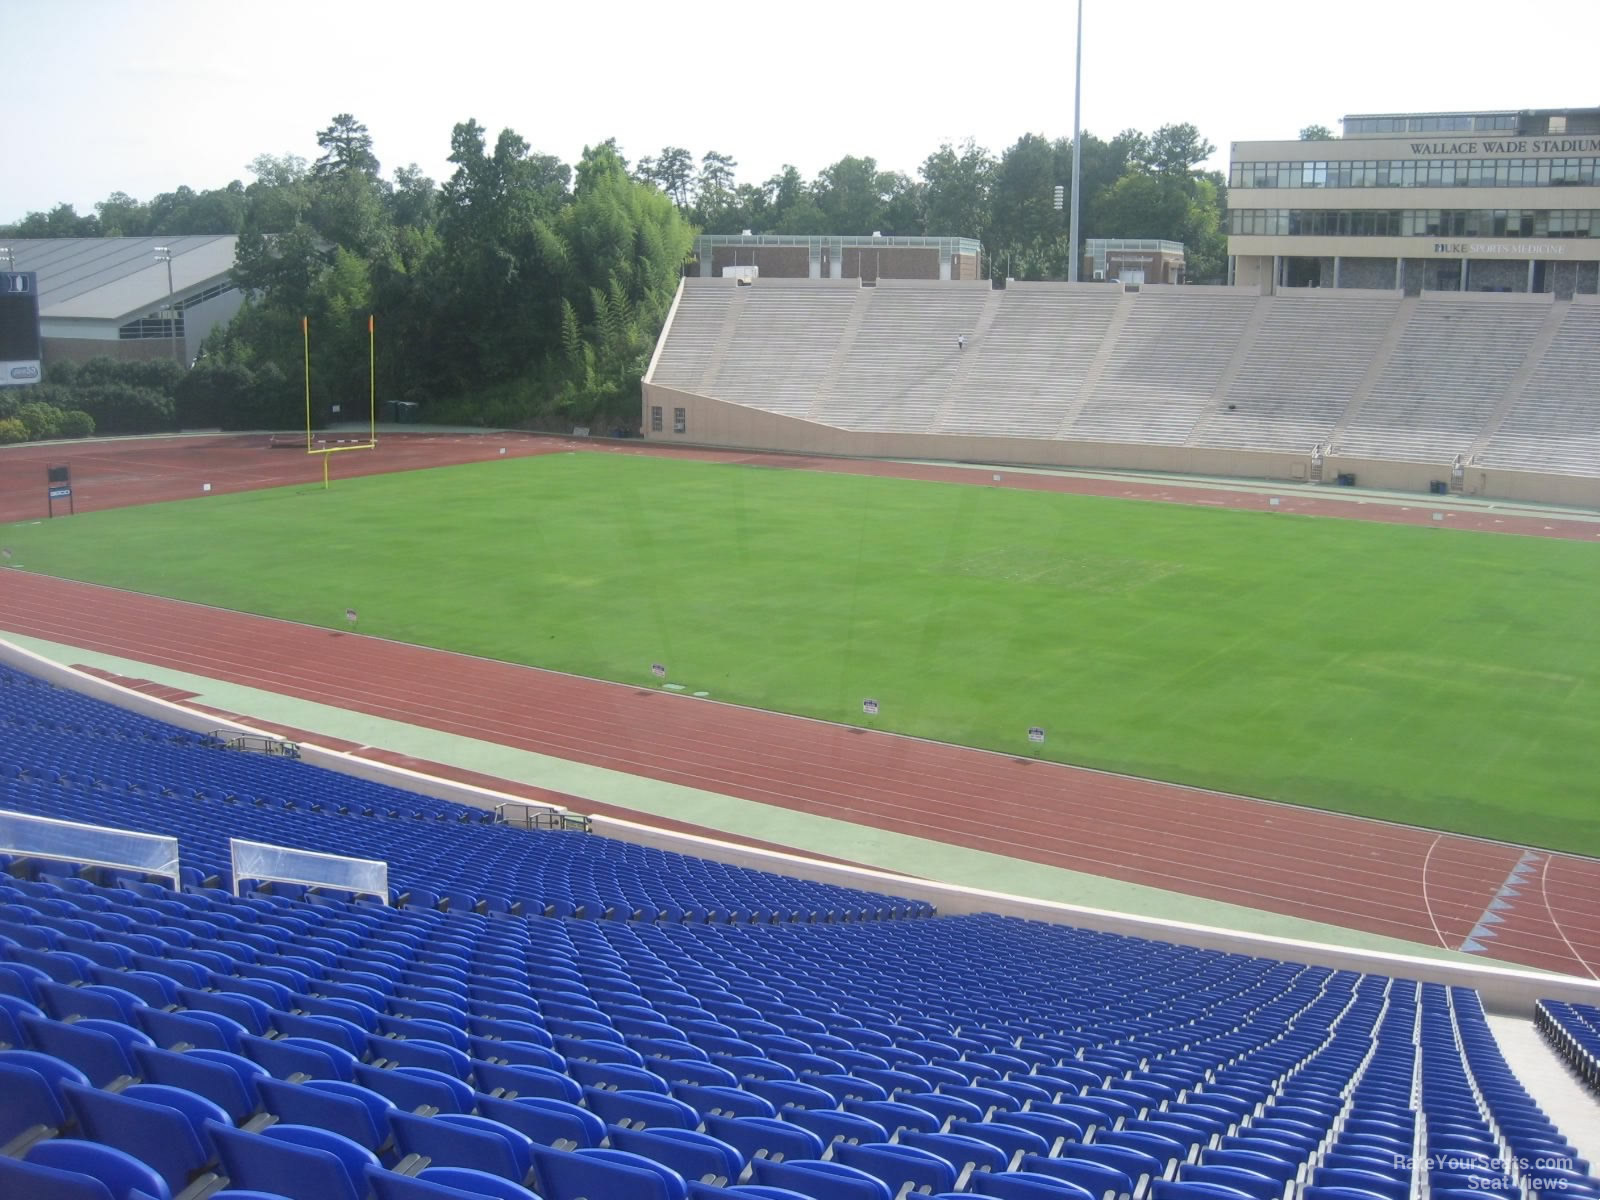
(1418, 674)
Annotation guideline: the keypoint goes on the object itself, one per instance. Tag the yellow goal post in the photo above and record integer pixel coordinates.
(372, 399)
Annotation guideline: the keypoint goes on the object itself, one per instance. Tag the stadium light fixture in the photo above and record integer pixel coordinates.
(1077, 108)
(11, 261)
(164, 254)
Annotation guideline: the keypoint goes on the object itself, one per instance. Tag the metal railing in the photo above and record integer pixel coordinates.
(539, 816)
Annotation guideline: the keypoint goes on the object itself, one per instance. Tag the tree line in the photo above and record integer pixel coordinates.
(524, 290)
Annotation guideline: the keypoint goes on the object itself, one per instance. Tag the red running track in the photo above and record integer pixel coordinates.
(117, 472)
(1386, 879)
(1393, 880)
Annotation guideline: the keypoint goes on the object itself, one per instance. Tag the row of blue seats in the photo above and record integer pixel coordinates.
(1574, 1032)
(504, 866)
(1282, 1129)
(93, 763)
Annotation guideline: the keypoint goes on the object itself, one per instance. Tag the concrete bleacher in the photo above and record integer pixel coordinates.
(904, 356)
(1505, 381)
(1033, 361)
(1555, 423)
(1165, 365)
(1453, 364)
(781, 350)
(696, 332)
(1302, 370)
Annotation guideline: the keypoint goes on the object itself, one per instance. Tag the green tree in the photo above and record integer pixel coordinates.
(122, 216)
(714, 187)
(1316, 133)
(673, 172)
(1025, 226)
(853, 195)
(626, 245)
(62, 221)
(1174, 151)
(414, 199)
(346, 148)
(958, 184)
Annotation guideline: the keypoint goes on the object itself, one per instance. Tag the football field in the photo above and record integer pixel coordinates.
(1424, 675)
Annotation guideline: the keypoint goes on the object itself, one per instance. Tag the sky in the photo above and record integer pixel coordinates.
(141, 96)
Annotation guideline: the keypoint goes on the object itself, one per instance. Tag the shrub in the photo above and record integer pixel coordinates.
(119, 408)
(272, 402)
(40, 420)
(209, 391)
(156, 375)
(12, 430)
(76, 424)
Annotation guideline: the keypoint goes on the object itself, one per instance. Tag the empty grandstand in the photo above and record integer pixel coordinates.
(1495, 395)
(167, 1042)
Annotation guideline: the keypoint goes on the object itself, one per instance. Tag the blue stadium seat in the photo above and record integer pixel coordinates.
(344, 1108)
(697, 1156)
(226, 1083)
(296, 1161)
(604, 1175)
(461, 1140)
(1096, 1178)
(556, 1123)
(30, 1108)
(817, 1177)
(764, 1137)
(100, 1049)
(444, 1183)
(900, 1167)
(162, 1137)
(122, 1176)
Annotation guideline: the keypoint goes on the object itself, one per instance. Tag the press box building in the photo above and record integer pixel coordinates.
(1504, 201)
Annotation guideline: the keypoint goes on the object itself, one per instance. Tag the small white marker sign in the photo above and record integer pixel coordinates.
(870, 707)
(1036, 735)
(658, 670)
(350, 615)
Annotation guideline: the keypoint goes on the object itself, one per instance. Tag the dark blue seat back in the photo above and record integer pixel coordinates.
(119, 1172)
(159, 1136)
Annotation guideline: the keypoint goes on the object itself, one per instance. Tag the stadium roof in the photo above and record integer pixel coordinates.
(957, 245)
(116, 278)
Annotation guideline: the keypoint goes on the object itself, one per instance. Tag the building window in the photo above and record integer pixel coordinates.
(1414, 222)
(655, 418)
(1418, 173)
(680, 420)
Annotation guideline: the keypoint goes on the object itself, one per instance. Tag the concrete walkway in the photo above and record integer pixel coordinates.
(1553, 1087)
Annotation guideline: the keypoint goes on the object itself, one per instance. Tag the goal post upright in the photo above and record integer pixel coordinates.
(305, 336)
(372, 398)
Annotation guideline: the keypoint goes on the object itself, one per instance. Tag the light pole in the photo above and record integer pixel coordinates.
(1077, 156)
(164, 254)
